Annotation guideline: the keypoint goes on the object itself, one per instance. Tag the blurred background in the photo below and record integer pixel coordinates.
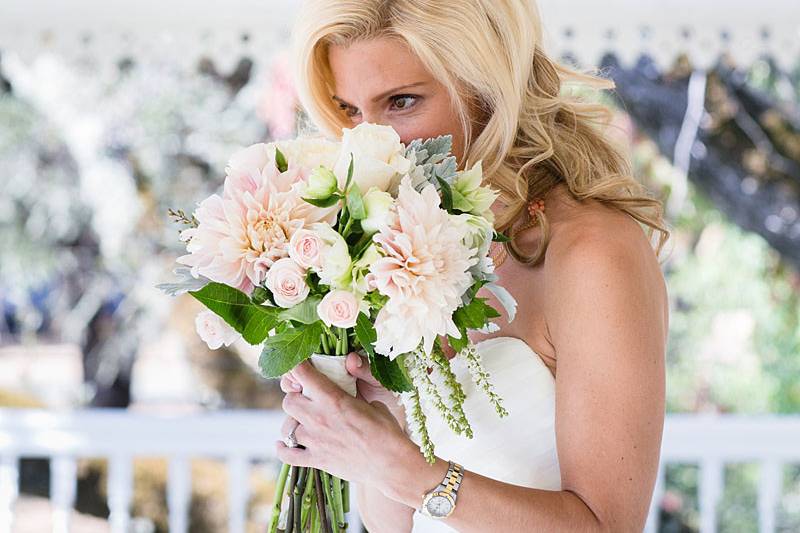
(115, 416)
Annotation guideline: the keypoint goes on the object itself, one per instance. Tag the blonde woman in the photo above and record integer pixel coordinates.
(581, 368)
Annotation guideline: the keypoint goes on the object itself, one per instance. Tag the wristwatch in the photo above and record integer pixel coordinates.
(441, 501)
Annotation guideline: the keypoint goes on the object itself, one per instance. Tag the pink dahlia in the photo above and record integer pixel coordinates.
(424, 272)
(242, 233)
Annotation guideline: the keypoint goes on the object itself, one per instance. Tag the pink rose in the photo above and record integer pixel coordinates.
(213, 330)
(305, 248)
(287, 281)
(339, 308)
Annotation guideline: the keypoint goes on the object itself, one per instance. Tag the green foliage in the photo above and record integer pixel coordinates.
(251, 320)
(390, 373)
(305, 312)
(283, 351)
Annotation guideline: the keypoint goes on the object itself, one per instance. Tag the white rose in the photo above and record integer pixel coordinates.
(307, 152)
(478, 232)
(339, 308)
(378, 205)
(378, 156)
(287, 281)
(335, 266)
(213, 330)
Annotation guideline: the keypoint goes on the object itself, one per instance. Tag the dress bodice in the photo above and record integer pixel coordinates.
(520, 448)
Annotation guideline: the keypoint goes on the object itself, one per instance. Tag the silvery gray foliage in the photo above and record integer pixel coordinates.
(185, 283)
(433, 157)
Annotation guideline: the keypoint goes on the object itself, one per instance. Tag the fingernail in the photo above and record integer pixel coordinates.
(297, 387)
(359, 362)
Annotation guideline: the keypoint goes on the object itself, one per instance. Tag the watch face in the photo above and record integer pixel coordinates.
(439, 506)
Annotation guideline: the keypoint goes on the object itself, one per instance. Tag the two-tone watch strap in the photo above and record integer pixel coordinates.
(453, 478)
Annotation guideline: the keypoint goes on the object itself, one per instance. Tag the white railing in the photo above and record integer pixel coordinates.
(239, 437)
(711, 441)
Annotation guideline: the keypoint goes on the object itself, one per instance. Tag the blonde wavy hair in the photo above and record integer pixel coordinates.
(488, 54)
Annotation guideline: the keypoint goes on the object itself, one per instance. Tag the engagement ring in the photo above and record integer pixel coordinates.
(291, 440)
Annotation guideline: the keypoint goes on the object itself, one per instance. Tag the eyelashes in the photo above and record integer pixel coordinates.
(352, 111)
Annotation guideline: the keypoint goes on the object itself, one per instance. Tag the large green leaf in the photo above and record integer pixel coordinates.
(305, 312)
(284, 351)
(388, 372)
(253, 321)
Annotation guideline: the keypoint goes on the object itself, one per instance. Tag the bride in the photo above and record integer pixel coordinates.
(581, 367)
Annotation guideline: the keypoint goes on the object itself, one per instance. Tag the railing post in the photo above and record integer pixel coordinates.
(238, 469)
(63, 486)
(120, 491)
(179, 491)
(9, 490)
(711, 484)
(769, 491)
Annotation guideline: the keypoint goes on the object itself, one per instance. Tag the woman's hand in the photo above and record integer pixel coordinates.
(369, 389)
(345, 436)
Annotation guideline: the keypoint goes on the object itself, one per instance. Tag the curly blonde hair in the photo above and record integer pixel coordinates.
(488, 54)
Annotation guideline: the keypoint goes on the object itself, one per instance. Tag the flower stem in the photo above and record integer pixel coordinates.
(297, 495)
(308, 498)
(329, 503)
(277, 500)
(292, 483)
(338, 504)
(326, 527)
(345, 497)
(325, 346)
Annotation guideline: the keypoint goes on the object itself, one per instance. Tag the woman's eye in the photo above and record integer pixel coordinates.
(403, 101)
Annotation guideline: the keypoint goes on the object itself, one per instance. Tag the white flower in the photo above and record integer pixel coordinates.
(378, 156)
(361, 276)
(478, 233)
(334, 269)
(307, 152)
(213, 330)
(287, 281)
(321, 184)
(378, 205)
(339, 308)
(469, 196)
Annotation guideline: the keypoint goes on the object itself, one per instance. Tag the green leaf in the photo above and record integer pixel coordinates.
(280, 161)
(458, 344)
(284, 351)
(327, 202)
(388, 372)
(475, 314)
(251, 320)
(349, 173)
(500, 237)
(355, 203)
(305, 312)
(260, 295)
(447, 194)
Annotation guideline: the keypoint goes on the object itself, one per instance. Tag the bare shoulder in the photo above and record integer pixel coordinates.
(598, 252)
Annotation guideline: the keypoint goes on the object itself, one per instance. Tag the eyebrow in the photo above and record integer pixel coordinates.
(385, 94)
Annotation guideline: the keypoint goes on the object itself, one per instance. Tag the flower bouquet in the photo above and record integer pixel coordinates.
(317, 248)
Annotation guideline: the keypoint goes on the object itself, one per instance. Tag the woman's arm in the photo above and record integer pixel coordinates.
(381, 514)
(607, 318)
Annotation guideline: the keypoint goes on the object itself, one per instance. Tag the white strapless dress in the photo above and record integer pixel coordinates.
(519, 449)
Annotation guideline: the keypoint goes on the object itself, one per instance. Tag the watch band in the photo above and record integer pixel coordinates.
(452, 480)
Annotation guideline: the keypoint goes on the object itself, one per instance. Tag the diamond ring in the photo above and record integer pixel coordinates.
(291, 439)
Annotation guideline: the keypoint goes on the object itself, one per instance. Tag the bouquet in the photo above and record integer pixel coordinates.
(316, 248)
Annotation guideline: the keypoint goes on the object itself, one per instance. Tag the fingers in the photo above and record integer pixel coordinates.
(296, 405)
(293, 456)
(289, 424)
(358, 367)
(314, 384)
(289, 384)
